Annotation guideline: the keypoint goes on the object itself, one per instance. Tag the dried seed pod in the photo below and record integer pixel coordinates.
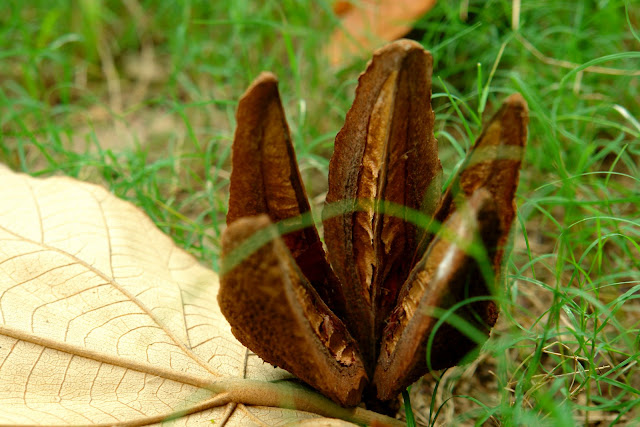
(265, 179)
(275, 311)
(445, 276)
(376, 318)
(488, 178)
(385, 157)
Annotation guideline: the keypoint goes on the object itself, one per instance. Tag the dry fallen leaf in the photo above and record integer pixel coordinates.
(366, 24)
(103, 320)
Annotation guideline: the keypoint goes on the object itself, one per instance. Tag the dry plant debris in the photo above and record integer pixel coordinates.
(365, 24)
(104, 321)
(360, 319)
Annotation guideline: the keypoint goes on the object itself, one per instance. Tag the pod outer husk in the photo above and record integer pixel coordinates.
(385, 159)
(446, 276)
(265, 179)
(275, 312)
(486, 184)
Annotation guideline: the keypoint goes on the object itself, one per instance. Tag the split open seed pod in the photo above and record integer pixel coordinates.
(402, 257)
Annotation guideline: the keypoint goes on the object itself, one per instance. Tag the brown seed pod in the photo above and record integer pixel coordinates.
(370, 316)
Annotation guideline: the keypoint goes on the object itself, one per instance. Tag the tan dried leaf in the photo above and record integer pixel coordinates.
(103, 320)
(365, 24)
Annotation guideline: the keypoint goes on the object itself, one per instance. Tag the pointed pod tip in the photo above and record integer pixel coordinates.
(266, 82)
(406, 44)
(516, 100)
(401, 45)
(266, 77)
